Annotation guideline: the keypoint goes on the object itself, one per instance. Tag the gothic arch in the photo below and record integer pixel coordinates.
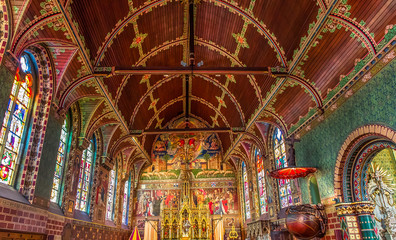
(358, 138)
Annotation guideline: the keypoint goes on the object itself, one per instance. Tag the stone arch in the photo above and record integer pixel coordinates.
(45, 82)
(358, 138)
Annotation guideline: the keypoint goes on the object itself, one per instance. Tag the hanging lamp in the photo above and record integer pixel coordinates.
(292, 171)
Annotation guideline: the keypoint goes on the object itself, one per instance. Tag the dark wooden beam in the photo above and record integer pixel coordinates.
(191, 32)
(181, 130)
(193, 70)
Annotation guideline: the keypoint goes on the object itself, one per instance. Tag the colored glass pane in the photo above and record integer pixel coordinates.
(110, 196)
(261, 183)
(84, 181)
(285, 193)
(246, 190)
(13, 126)
(60, 163)
(125, 203)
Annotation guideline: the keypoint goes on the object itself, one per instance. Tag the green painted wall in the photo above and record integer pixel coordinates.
(373, 103)
(6, 80)
(48, 156)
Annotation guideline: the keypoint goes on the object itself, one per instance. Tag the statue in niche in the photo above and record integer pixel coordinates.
(381, 191)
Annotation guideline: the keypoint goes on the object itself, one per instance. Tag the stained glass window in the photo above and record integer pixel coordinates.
(125, 203)
(84, 180)
(261, 182)
(246, 190)
(285, 192)
(111, 196)
(60, 163)
(13, 126)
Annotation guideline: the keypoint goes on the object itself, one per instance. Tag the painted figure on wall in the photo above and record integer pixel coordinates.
(152, 202)
(219, 200)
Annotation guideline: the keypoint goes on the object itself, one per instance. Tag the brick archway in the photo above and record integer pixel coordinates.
(356, 138)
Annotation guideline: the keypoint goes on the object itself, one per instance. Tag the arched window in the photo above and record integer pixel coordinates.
(13, 127)
(246, 190)
(85, 178)
(285, 193)
(125, 203)
(111, 192)
(60, 163)
(261, 182)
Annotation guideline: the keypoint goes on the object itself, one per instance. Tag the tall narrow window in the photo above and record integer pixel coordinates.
(12, 129)
(125, 203)
(261, 182)
(60, 163)
(84, 180)
(285, 193)
(246, 190)
(111, 196)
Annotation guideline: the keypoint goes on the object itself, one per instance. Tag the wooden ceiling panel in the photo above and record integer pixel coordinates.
(225, 141)
(205, 112)
(293, 103)
(156, 101)
(113, 84)
(290, 22)
(215, 96)
(80, 92)
(376, 14)
(148, 143)
(160, 26)
(245, 93)
(210, 25)
(169, 112)
(335, 55)
(87, 12)
(171, 57)
(265, 82)
(120, 53)
(259, 53)
(210, 56)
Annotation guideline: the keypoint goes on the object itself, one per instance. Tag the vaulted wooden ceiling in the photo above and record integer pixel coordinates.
(105, 52)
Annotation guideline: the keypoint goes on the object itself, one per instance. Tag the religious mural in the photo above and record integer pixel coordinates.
(150, 203)
(218, 200)
(202, 150)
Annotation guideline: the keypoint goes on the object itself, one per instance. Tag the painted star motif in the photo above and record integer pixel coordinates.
(230, 78)
(153, 103)
(215, 122)
(240, 40)
(221, 102)
(138, 40)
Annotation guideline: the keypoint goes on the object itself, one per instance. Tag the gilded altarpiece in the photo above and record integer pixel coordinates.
(188, 189)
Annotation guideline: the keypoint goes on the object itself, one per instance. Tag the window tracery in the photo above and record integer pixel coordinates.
(261, 182)
(246, 190)
(125, 203)
(60, 163)
(111, 195)
(84, 180)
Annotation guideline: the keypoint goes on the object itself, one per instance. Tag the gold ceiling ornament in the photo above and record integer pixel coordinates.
(233, 233)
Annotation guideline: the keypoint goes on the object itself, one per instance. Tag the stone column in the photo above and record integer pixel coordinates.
(45, 176)
(357, 220)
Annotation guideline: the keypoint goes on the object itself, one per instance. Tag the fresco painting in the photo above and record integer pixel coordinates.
(151, 202)
(218, 200)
